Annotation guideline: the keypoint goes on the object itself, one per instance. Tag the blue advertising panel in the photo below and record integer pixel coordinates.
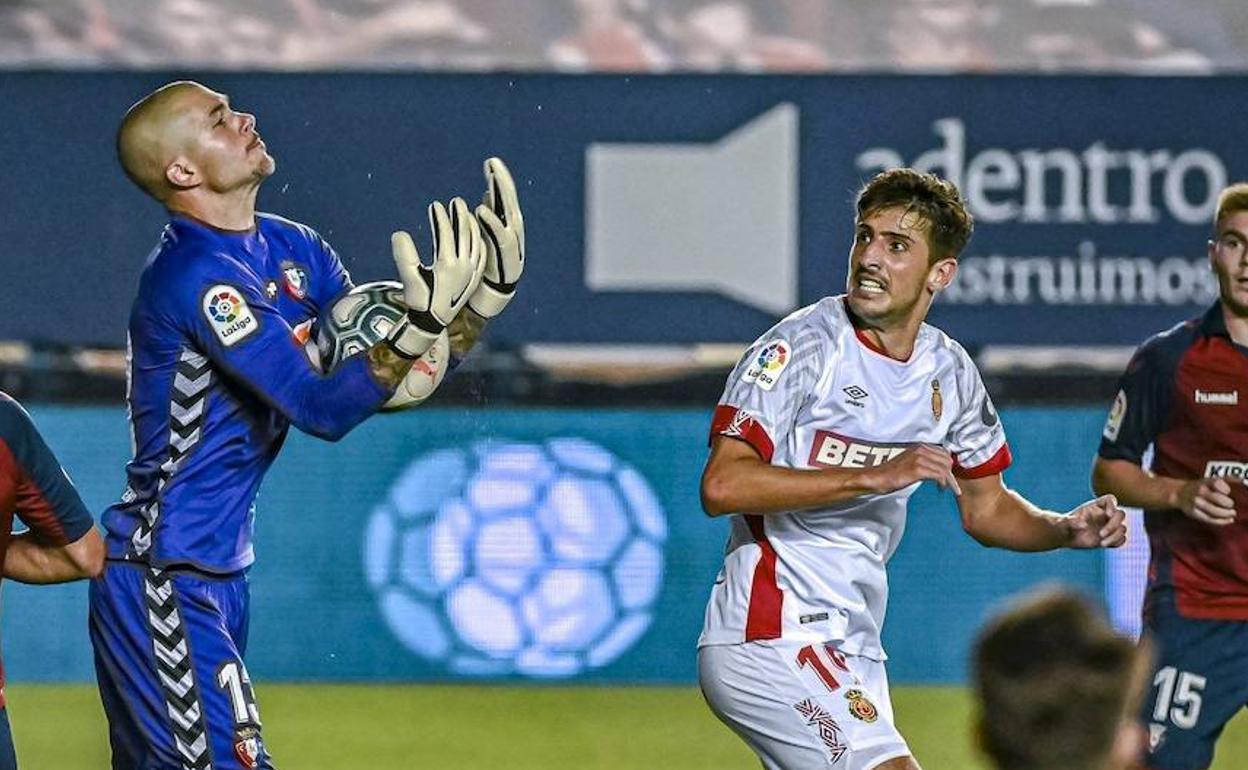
(668, 208)
(533, 545)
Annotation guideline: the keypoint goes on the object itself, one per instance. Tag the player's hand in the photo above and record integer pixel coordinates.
(921, 462)
(1208, 500)
(1098, 523)
(434, 294)
(502, 227)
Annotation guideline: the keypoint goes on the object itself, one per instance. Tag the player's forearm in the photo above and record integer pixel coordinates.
(329, 406)
(754, 487)
(464, 331)
(387, 366)
(1010, 521)
(29, 561)
(1134, 486)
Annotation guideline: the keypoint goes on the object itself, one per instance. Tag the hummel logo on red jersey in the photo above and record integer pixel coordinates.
(833, 451)
(1218, 399)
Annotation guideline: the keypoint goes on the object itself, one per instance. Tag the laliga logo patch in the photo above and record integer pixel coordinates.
(938, 401)
(228, 314)
(1116, 413)
(861, 708)
(296, 280)
(766, 367)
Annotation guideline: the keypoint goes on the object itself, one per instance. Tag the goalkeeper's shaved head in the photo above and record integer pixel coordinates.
(150, 137)
(1057, 687)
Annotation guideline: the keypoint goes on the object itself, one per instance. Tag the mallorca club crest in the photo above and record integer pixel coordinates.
(861, 708)
(296, 280)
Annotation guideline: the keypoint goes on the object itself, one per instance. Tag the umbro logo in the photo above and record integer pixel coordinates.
(1230, 398)
(856, 394)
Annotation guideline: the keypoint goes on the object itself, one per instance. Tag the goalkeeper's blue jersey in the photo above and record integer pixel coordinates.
(217, 374)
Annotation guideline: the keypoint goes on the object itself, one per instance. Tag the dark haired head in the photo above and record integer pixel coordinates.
(935, 201)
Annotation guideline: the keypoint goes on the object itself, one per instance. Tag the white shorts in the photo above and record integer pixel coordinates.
(801, 707)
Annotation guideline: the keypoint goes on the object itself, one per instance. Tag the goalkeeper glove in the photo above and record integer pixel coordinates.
(435, 294)
(502, 226)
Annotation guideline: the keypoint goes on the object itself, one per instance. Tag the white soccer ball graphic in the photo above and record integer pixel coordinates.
(365, 315)
(541, 560)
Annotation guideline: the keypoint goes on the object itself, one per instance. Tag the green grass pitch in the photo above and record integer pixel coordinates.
(399, 727)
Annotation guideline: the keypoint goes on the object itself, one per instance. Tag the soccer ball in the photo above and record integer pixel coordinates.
(365, 315)
(539, 560)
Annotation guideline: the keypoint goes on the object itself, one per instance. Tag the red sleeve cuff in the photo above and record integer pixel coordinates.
(735, 423)
(995, 464)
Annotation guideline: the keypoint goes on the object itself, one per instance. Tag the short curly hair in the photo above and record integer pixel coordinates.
(937, 201)
(1231, 200)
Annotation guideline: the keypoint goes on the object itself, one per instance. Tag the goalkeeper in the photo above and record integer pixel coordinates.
(216, 379)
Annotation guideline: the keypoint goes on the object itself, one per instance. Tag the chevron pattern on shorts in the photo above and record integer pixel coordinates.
(829, 731)
(188, 401)
(177, 677)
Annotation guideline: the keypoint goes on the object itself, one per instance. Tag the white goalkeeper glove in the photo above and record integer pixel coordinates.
(502, 226)
(435, 294)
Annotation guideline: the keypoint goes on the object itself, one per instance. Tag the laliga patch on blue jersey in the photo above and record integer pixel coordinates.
(228, 314)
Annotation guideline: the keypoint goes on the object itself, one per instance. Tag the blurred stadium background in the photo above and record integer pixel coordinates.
(514, 574)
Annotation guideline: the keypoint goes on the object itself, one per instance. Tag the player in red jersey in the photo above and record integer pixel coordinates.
(60, 543)
(1185, 393)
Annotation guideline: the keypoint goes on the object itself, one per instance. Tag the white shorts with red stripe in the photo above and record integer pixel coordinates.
(802, 706)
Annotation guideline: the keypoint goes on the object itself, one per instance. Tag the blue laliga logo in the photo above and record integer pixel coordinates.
(537, 559)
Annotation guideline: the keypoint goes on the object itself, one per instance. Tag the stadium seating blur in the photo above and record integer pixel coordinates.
(1146, 36)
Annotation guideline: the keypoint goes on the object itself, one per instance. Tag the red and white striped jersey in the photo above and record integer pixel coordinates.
(812, 393)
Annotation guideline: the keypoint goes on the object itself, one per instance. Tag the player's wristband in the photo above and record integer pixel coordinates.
(490, 298)
(409, 340)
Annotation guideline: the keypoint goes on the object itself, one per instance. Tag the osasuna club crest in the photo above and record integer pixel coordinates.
(296, 280)
(247, 747)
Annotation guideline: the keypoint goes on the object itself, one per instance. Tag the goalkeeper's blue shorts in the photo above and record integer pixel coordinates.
(169, 660)
(1200, 681)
